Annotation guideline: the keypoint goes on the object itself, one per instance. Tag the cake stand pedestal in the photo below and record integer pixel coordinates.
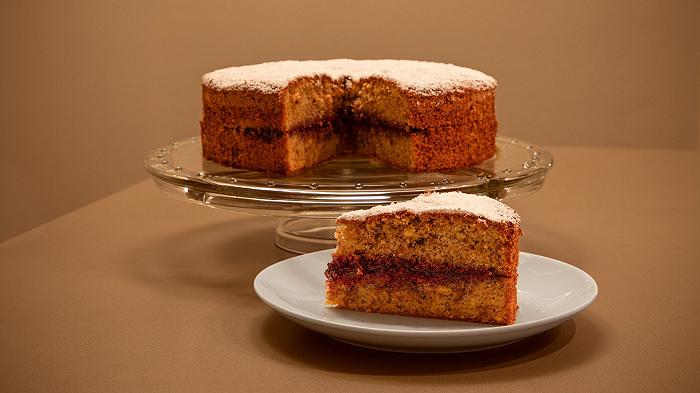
(308, 204)
(304, 235)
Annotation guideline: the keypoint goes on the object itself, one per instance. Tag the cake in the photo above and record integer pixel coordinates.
(282, 117)
(441, 255)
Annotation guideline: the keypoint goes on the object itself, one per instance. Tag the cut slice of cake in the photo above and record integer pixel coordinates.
(441, 255)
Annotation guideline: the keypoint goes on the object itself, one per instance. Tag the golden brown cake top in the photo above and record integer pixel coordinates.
(448, 202)
(418, 77)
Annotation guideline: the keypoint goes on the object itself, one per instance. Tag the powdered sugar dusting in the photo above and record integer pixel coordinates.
(449, 202)
(420, 77)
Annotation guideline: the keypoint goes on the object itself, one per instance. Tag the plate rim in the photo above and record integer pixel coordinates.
(490, 330)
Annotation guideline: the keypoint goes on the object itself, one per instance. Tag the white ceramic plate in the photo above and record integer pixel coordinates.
(549, 293)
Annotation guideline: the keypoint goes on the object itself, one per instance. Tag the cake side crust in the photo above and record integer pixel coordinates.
(241, 109)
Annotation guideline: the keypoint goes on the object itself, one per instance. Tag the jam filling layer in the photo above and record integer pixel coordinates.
(351, 269)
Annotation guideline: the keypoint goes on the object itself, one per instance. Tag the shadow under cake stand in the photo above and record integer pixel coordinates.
(309, 202)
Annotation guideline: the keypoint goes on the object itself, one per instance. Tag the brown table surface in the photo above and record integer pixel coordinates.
(139, 292)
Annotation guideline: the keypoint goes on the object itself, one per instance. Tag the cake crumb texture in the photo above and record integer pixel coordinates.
(484, 301)
(450, 255)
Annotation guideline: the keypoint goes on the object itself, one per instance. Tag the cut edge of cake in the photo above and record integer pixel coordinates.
(411, 259)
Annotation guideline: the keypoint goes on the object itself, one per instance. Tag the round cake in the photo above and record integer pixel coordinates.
(283, 117)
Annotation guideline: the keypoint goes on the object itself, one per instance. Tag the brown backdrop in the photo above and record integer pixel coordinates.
(88, 88)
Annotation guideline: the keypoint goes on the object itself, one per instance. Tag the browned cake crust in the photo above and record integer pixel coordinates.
(434, 264)
(416, 132)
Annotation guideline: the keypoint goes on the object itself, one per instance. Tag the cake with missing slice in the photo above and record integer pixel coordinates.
(440, 255)
(282, 117)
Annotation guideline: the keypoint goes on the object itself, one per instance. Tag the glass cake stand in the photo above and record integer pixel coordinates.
(309, 202)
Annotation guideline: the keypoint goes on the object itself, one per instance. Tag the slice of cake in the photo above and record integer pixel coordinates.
(282, 117)
(448, 256)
